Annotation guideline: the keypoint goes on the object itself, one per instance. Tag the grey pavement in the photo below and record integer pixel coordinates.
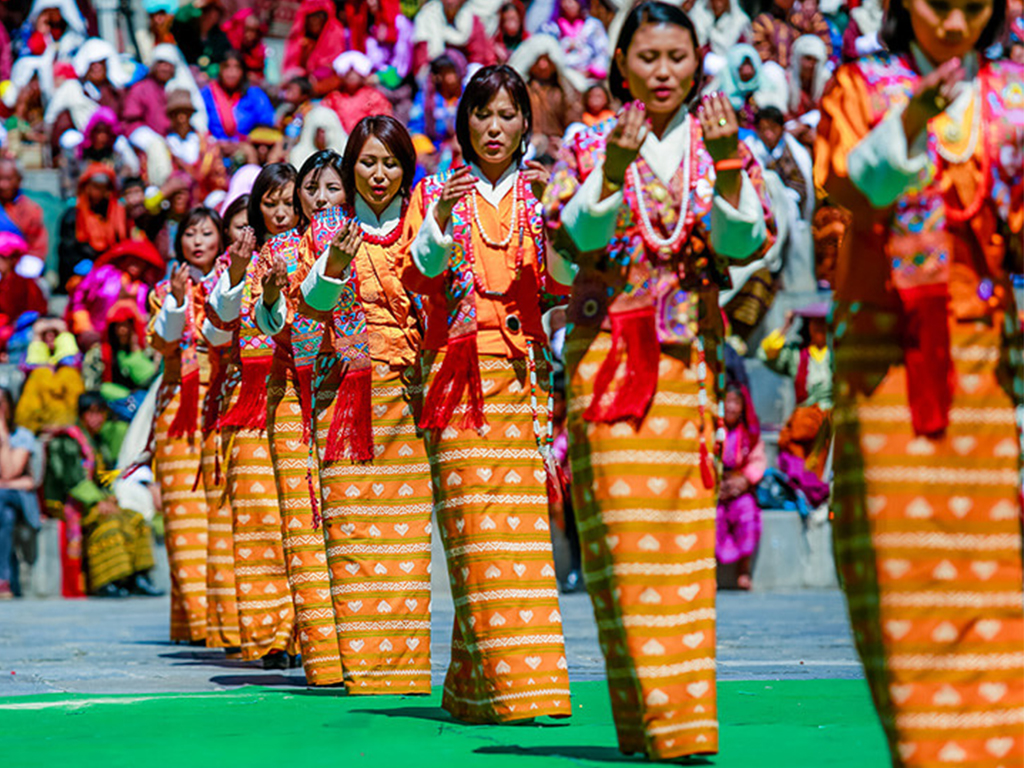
(103, 647)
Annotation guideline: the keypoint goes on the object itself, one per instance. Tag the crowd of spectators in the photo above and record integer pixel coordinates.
(190, 109)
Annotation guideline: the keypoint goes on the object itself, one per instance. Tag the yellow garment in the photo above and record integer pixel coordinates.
(773, 343)
(49, 399)
(818, 354)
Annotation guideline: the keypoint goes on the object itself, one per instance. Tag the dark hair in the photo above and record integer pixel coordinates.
(771, 114)
(272, 178)
(394, 136)
(233, 55)
(304, 85)
(89, 400)
(482, 87)
(651, 12)
(898, 33)
(239, 204)
(132, 181)
(197, 214)
(314, 166)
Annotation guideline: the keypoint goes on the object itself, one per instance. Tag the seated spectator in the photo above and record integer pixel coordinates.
(436, 105)
(356, 98)
(721, 24)
(115, 542)
(808, 75)
(295, 102)
(197, 31)
(245, 33)
(56, 30)
(94, 225)
(265, 146)
(192, 153)
(314, 42)
(54, 379)
(25, 102)
(234, 106)
(511, 30)
(777, 29)
(583, 39)
(98, 83)
(26, 215)
(597, 105)
(18, 294)
(128, 271)
(743, 463)
(145, 105)
(861, 35)
(554, 89)
(102, 143)
(805, 440)
(321, 130)
(747, 83)
(443, 25)
(19, 502)
(120, 367)
(379, 29)
(160, 19)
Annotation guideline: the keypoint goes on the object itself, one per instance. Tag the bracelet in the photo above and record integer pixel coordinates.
(731, 164)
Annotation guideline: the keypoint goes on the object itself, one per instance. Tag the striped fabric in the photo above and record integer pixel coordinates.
(304, 547)
(490, 496)
(221, 609)
(928, 542)
(176, 465)
(377, 523)
(265, 609)
(116, 546)
(647, 535)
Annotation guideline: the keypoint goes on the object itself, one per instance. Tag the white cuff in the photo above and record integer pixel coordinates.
(589, 220)
(170, 321)
(320, 291)
(882, 166)
(225, 299)
(214, 336)
(431, 247)
(272, 321)
(738, 232)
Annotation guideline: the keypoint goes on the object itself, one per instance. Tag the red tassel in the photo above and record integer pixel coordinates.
(707, 466)
(459, 372)
(351, 432)
(186, 420)
(634, 335)
(928, 358)
(250, 411)
(214, 399)
(304, 383)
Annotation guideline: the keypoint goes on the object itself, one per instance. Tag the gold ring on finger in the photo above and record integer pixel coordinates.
(723, 122)
(941, 101)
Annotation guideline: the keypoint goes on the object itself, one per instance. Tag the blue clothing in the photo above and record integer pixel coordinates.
(252, 110)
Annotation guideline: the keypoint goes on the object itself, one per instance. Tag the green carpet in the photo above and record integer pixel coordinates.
(764, 725)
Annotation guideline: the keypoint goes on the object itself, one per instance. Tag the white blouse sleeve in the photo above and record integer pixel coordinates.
(431, 247)
(170, 321)
(320, 291)
(882, 166)
(738, 232)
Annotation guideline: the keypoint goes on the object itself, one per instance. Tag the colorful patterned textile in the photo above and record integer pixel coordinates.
(116, 546)
(304, 547)
(928, 543)
(647, 534)
(508, 657)
(176, 466)
(222, 610)
(265, 609)
(377, 524)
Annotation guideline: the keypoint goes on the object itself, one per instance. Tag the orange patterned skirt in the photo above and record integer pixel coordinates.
(176, 465)
(490, 495)
(928, 542)
(377, 523)
(266, 614)
(295, 476)
(221, 608)
(647, 535)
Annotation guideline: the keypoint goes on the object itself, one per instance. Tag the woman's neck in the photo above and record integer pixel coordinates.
(378, 208)
(493, 171)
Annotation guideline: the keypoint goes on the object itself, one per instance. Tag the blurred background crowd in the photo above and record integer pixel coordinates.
(120, 116)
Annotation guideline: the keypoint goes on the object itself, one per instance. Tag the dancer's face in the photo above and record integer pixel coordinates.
(948, 28)
(200, 245)
(378, 174)
(659, 66)
(496, 130)
(320, 191)
(278, 210)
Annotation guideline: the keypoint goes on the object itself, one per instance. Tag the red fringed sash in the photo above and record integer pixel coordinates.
(634, 342)
(458, 375)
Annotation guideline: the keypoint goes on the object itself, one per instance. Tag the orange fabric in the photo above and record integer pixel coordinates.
(221, 606)
(100, 232)
(494, 268)
(808, 435)
(393, 331)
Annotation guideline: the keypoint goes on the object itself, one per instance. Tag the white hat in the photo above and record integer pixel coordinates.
(353, 61)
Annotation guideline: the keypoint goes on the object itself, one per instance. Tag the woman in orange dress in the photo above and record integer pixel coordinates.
(374, 474)
(476, 251)
(923, 146)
